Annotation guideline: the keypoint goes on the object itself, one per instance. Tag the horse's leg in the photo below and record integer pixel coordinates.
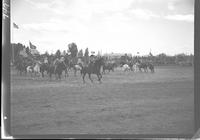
(50, 75)
(42, 74)
(59, 76)
(99, 77)
(25, 72)
(103, 71)
(84, 77)
(90, 77)
(66, 73)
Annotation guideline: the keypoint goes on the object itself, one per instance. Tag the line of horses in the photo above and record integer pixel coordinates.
(97, 67)
(57, 67)
(130, 66)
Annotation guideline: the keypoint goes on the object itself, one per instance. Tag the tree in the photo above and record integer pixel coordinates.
(86, 56)
(180, 57)
(86, 52)
(72, 48)
(80, 53)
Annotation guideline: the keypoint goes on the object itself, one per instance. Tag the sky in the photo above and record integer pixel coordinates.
(108, 26)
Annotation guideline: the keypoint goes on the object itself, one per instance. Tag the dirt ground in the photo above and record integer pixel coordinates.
(125, 103)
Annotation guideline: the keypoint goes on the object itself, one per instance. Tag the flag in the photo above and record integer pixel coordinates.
(150, 54)
(15, 26)
(34, 52)
(32, 46)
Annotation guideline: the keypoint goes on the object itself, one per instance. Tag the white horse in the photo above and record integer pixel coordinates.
(126, 67)
(77, 68)
(29, 69)
(36, 68)
(136, 67)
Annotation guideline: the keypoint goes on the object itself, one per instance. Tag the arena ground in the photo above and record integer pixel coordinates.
(125, 103)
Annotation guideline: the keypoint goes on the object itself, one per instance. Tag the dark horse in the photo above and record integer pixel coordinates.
(59, 68)
(44, 67)
(93, 68)
(109, 67)
(151, 67)
(21, 67)
(143, 66)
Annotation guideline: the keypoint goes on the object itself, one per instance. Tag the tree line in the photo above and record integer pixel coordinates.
(74, 53)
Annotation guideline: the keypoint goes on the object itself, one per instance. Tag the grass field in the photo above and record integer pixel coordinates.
(125, 103)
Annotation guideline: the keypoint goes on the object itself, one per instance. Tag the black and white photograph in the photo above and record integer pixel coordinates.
(91, 67)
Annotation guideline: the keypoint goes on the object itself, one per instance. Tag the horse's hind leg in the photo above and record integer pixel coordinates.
(99, 77)
(90, 78)
(83, 77)
(59, 76)
(49, 75)
(66, 73)
(152, 71)
(42, 74)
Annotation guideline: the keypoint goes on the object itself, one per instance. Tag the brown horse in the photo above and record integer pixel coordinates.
(93, 68)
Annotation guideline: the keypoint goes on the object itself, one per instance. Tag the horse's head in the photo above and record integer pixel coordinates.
(98, 62)
(101, 61)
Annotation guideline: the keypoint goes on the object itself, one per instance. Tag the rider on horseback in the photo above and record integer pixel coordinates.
(46, 60)
(56, 62)
(92, 58)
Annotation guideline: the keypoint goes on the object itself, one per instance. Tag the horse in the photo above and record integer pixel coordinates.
(36, 68)
(21, 67)
(126, 67)
(44, 67)
(93, 68)
(51, 70)
(130, 64)
(135, 67)
(77, 67)
(143, 66)
(151, 67)
(29, 69)
(59, 68)
(67, 64)
(109, 67)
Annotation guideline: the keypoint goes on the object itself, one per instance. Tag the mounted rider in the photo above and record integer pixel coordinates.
(56, 62)
(46, 60)
(92, 58)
